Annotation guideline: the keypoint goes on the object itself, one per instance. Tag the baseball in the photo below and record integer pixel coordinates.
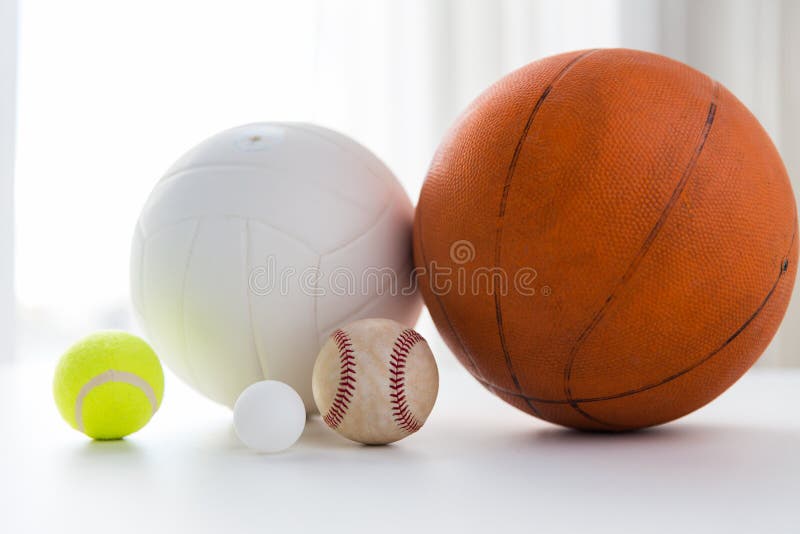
(375, 381)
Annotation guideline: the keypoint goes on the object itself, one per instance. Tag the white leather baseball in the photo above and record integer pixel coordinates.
(375, 381)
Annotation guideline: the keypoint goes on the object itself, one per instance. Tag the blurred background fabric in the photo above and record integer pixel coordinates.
(8, 57)
(110, 93)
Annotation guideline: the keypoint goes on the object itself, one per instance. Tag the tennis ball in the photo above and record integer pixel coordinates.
(108, 385)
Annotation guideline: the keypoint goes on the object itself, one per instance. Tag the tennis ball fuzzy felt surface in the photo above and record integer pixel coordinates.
(108, 385)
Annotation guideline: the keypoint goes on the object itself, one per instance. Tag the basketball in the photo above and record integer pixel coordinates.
(606, 239)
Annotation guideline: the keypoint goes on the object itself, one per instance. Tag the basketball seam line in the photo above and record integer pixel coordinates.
(678, 374)
(643, 250)
(478, 374)
(401, 411)
(501, 213)
(347, 380)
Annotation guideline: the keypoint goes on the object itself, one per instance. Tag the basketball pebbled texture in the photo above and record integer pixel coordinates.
(653, 214)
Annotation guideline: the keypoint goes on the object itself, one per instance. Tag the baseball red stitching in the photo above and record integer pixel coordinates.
(347, 379)
(397, 382)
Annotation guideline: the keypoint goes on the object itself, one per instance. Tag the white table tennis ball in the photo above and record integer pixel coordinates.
(269, 416)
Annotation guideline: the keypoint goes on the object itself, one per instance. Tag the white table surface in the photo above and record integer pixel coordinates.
(477, 466)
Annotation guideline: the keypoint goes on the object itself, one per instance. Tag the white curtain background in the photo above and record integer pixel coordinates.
(8, 80)
(111, 92)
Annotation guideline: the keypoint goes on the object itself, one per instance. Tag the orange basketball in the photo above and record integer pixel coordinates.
(606, 239)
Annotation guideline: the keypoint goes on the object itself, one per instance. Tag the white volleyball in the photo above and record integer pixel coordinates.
(257, 244)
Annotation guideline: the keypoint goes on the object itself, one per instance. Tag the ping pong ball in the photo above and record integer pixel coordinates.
(269, 416)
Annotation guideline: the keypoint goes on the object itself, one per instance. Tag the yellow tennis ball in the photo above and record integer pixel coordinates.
(108, 385)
